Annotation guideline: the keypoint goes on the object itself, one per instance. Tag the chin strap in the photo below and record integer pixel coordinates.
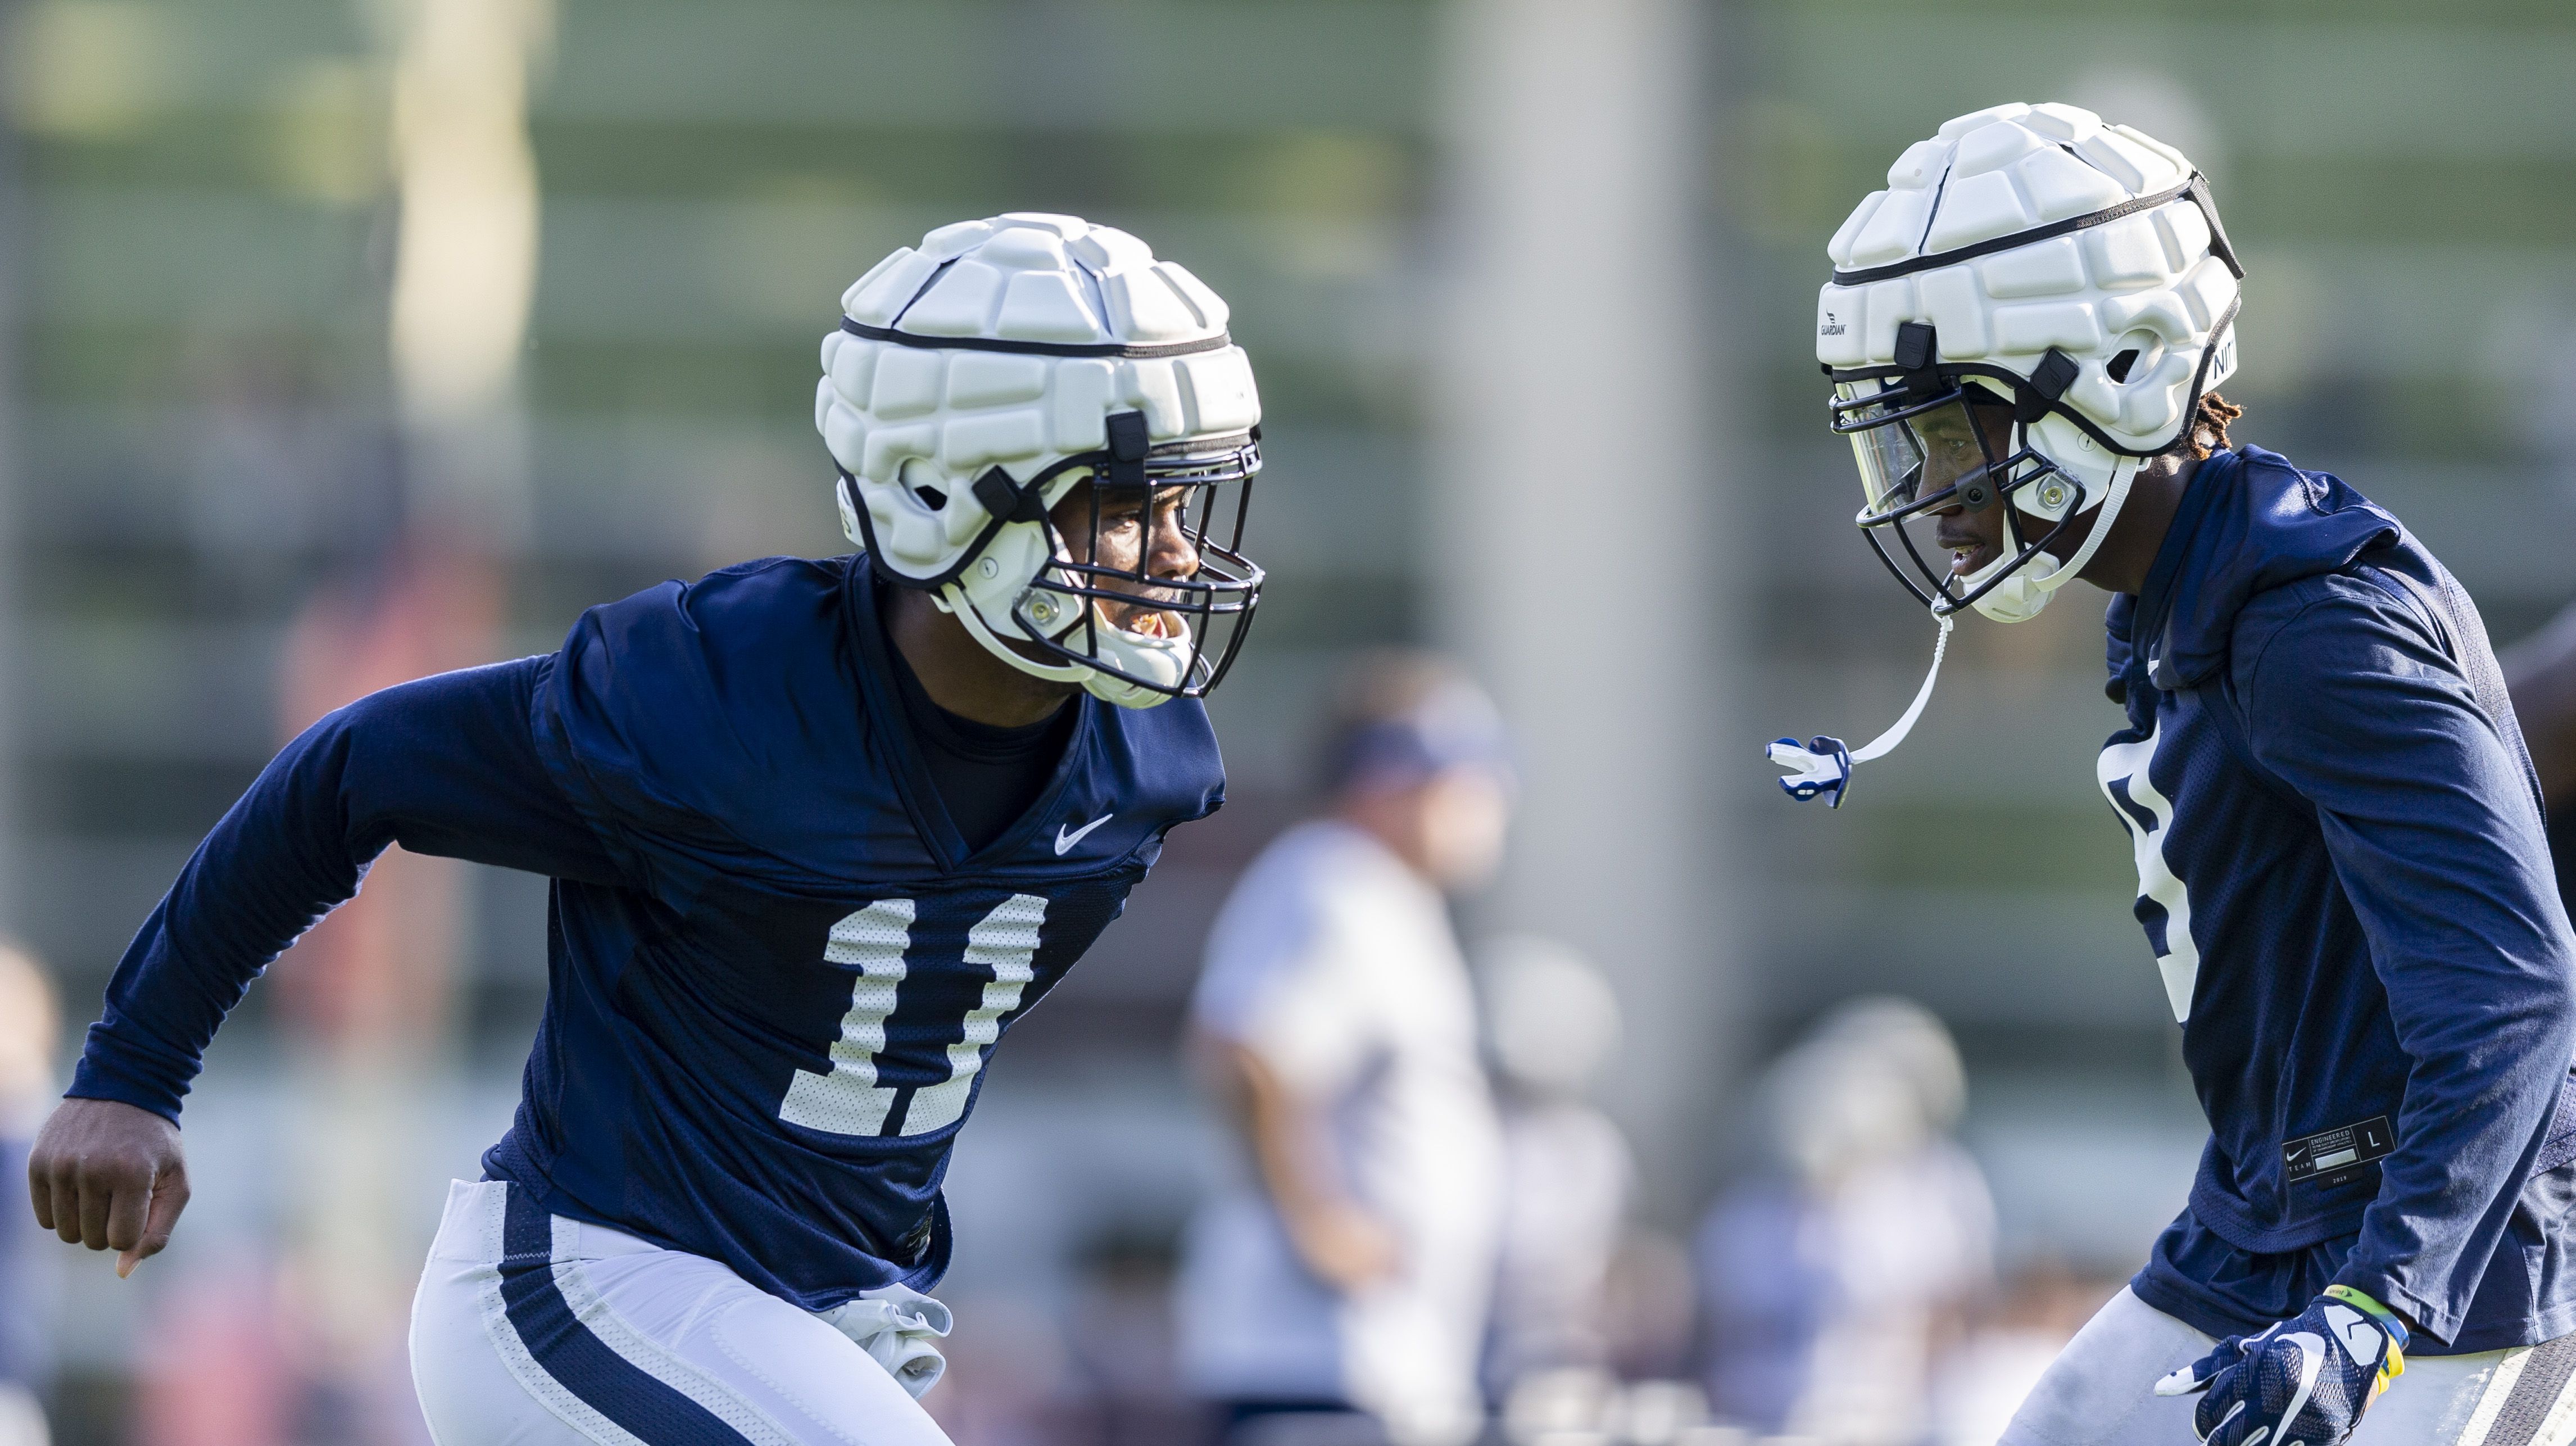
(2113, 498)
(952, 600)
(1823, 765)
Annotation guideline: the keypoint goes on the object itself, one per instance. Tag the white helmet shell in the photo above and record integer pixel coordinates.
(1001, 349)
(2025, 230)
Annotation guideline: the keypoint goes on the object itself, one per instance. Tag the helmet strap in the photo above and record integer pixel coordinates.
(2122, 473)
(952, 599)
(1008, 500)
(2048, 381)
(1129, 441)
(1823, 764)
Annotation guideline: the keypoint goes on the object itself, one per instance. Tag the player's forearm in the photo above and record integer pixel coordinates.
(2477, 1114)
(1338, 1238)
(446, 765)
(2485, 1013)
(1279, 1133)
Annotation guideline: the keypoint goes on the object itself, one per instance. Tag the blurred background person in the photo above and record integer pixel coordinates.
(1833, 1275)
(29, 1024)
(1568, 1172)
(1346, 1266)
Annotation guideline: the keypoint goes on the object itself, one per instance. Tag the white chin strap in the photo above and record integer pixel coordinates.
(952, 599)
(1823, 765)
(2019, 598)
(1108, 687)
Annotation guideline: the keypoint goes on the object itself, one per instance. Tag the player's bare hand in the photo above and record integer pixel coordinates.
(1345, 1246)
(109, 1176)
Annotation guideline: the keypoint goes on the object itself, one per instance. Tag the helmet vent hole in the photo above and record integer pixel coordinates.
(931, 497)
(2120, 365)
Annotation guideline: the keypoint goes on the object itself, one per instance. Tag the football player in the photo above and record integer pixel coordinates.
(819, 831)
(2337, 831)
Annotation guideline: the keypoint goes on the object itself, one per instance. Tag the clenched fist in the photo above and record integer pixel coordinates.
(111, 1177)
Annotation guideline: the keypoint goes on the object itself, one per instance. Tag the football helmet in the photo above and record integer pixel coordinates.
(976, 380)
(2066, 279)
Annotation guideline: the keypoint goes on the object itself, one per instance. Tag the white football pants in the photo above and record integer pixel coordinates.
(2101, 1391)
(534, 1330)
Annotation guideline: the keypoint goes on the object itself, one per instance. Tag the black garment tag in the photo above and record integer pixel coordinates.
(2336, 1157)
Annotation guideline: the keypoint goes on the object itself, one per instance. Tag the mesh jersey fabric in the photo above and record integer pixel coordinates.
(775, 967)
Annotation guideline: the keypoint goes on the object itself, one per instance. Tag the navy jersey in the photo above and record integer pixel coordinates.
(776, 970)
(2344, 878)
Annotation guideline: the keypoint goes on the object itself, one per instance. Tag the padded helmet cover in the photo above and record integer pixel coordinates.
(902, 417)
(1009, 343)
(2141, 299)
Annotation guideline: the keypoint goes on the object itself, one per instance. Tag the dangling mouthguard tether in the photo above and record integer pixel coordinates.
(1824, 765)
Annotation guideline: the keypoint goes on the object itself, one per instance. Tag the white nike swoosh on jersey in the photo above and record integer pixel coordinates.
(1064, 841)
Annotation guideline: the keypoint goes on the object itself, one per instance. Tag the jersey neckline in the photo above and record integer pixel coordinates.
(874, 680)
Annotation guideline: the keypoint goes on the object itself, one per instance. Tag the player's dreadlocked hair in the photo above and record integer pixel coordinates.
(2208, 430)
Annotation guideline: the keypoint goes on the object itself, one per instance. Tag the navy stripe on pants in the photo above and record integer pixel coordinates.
(615, 1387)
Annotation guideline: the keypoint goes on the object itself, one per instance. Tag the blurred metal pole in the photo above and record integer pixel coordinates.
(16, 232)
(465, 269)
(1575, 507)
(375, 989)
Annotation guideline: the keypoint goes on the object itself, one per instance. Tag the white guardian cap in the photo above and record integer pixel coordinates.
(2027, 259)
(977, 380)
(2067, 280)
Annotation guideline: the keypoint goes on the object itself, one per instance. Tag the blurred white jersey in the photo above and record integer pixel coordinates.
(1337, 965)
(22, 1420)
(1570, 1173)
(1822, 1310)
(536, 1330)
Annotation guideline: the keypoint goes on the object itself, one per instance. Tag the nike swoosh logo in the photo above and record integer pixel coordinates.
(2312, 1358)
(1065, 840)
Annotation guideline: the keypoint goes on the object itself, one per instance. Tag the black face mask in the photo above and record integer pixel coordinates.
(1919, 434)
(1922, 456)
(1065, 608)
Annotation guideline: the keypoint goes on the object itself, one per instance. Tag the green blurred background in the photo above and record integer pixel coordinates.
(211, 491)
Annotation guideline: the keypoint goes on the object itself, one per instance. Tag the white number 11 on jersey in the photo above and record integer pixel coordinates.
(848, 1100)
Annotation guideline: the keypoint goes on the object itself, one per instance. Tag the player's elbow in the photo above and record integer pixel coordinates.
(2541, 1023)
(2515, 1020)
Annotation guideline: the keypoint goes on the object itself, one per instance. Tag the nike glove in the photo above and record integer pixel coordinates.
(2299, 1382)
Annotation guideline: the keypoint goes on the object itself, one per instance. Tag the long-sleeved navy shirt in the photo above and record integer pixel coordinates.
(776, 966)
(2343, 874)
